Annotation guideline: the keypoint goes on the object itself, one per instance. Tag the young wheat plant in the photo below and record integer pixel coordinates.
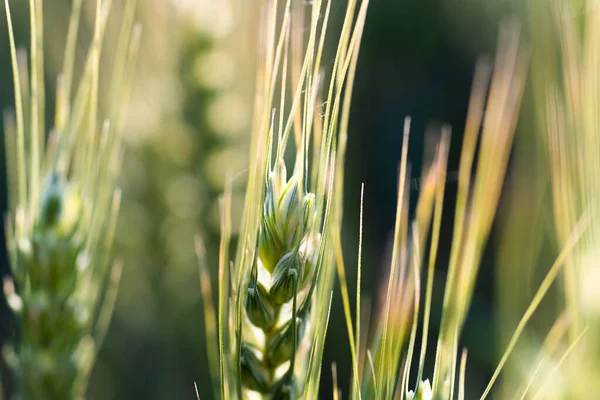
(274, 298)
(63, 207)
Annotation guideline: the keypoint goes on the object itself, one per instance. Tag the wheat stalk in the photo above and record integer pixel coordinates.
(63, 208)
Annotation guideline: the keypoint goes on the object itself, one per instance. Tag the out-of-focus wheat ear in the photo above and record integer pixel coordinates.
(210, 318)
(20, 166)
(539, 295)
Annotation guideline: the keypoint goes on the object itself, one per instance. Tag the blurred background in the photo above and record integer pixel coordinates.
(188, 123)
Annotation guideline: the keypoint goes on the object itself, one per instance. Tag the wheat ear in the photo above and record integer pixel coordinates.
(63, 208)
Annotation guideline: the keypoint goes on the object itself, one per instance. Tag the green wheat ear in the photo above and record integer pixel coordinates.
(63, 208)
(274, 297)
